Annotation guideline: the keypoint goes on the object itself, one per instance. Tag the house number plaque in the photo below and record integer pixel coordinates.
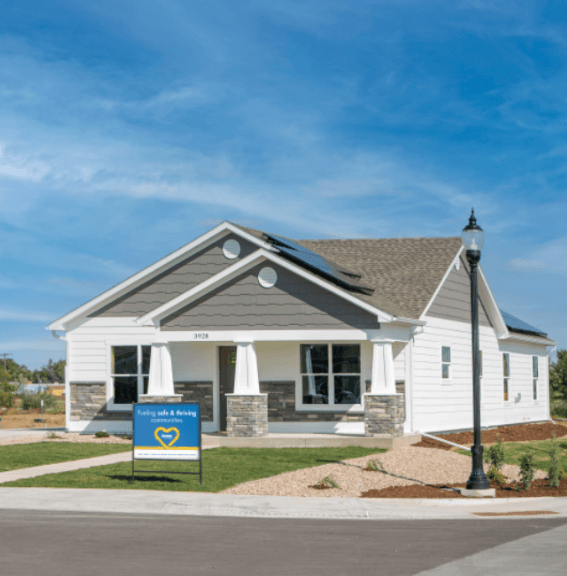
(201, 336)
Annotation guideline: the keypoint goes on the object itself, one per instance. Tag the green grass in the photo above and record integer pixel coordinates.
(20, 456)
(222, 468)
(541, 450)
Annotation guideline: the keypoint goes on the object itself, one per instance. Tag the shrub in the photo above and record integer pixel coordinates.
(101, 434)
(559, 409)
(7, 394)
(556, 472)
(327, 482)
(494, 475)
(31, 401)
(375, 466)
(495, 454)
(527, 470)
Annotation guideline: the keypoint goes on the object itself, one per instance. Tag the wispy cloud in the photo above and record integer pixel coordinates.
(25, 316)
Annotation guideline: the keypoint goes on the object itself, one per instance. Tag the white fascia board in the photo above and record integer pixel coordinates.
(453, 263)
(145, 274)
(531, 339)
(492, 309)
(153, 317)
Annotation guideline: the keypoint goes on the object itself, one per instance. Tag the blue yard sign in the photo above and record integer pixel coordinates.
(167, 432)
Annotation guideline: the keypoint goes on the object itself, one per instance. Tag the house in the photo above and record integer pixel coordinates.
(365, 336)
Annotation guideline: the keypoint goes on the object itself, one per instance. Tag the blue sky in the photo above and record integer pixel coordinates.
(128, 128)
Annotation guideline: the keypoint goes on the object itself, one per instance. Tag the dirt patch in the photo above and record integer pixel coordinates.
(523, 433)
(15, 418)
(540, 487)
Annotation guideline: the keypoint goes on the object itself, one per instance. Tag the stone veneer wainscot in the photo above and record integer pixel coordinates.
(247, 415)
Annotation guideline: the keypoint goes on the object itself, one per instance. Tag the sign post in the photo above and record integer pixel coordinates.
(167, 432)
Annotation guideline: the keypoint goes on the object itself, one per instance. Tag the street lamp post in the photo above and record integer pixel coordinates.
(473, 238)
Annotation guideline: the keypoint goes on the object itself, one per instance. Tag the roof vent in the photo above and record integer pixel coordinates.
(231, 249)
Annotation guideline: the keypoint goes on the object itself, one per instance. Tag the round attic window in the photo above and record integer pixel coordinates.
(231, 249)
(267, 277)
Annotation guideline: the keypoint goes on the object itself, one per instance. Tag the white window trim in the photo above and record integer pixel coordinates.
(445, 381)
(345, 408)
(110, 404)
(536, 378)
(509, 378)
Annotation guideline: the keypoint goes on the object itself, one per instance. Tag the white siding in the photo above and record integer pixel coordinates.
(194, 361)
(439, 406)
(88, 358)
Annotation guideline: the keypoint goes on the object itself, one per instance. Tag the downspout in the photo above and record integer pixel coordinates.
(445, 441)
(410, 405)
(548, 388)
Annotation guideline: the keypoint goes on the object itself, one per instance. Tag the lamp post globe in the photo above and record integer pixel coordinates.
(472, 237)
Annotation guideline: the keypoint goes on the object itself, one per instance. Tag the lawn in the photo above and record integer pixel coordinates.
(222, 468)
(28, 455)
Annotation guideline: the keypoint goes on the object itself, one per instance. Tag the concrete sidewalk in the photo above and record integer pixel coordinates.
(22, 473)
(205, 504)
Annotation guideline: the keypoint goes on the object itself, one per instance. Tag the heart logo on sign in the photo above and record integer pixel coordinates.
(166, 436)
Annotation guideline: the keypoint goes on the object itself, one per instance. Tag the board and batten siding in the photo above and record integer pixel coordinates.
(440, 405)
(175, 280)
(453, 301)
(293, 303)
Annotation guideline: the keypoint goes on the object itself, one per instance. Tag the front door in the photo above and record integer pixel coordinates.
(227, 369)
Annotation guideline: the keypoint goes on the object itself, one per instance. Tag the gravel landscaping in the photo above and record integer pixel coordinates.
(404, 467)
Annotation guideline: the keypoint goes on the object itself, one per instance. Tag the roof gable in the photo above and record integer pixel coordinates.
(292, 303)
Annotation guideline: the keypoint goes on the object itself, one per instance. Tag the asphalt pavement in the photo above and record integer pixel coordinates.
(70, 543)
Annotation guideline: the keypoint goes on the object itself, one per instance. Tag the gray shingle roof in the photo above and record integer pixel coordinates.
(404, 272)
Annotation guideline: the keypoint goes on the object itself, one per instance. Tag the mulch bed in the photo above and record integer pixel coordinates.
(538, 488)
(520, 433)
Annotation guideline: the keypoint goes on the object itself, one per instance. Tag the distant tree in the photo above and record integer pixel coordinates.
(52, 372)
(558, 376)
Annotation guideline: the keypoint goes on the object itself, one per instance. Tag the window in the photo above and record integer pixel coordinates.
(535, 374)
(445, 362)
(506, 361)
(130, 369)
(330, 374)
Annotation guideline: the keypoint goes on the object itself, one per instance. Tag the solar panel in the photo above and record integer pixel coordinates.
(316, 263)
(517, 324)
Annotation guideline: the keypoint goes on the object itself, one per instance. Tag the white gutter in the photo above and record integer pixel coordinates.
(445, 441)
(55, 335)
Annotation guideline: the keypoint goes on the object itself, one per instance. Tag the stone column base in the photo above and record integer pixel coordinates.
(171, 399)
(384, 415)
(247, 415)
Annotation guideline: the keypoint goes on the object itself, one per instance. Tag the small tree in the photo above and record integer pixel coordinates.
(527, 470)
(558, 376)
(556, 472)
(495, 456)
(7, 394)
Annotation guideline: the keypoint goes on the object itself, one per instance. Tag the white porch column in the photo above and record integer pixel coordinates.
(246, 376)
(161, 373)
(383, 378)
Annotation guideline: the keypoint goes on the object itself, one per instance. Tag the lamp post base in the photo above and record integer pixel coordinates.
(489, 493)
(477, 480)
